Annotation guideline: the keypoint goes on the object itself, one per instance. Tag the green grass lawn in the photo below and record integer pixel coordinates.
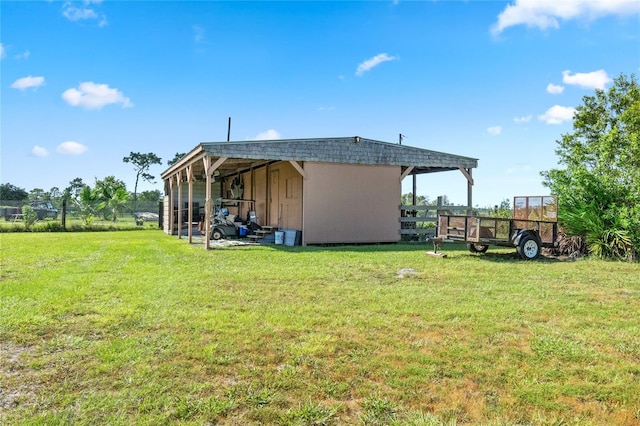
(143, 328)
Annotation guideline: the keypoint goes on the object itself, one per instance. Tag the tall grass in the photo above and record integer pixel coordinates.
(142, 328)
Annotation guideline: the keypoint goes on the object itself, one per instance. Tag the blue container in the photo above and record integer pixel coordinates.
(290, 237)
(242, 231)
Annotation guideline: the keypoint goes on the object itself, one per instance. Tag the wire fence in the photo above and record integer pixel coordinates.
(11, 210)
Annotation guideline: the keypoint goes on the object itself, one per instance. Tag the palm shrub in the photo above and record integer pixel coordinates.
(86, 203)
(113, 200)
(609, 230)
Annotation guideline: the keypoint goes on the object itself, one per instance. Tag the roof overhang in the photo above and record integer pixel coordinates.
(244, 155)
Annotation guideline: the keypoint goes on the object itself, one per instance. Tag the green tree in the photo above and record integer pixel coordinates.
(141, 164)
(36, 194)
(54, 195)
(109, 182)
(407, 199)
(113, 201)
(176, 158)
(599, 188)
(112, 196)
(503, 210)
(12, 192)
(86, 202)
(154, 195)
(74, 188)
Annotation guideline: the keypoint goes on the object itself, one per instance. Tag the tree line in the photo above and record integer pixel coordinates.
(107, 197)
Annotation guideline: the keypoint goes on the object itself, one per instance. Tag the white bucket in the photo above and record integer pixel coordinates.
(279, 237)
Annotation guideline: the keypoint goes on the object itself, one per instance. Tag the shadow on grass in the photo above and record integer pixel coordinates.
(504, 255)
(514, 257)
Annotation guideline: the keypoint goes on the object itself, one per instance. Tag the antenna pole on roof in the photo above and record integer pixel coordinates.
(400, 137)
(229, 130)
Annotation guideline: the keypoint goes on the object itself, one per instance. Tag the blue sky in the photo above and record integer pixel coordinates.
(85, 83)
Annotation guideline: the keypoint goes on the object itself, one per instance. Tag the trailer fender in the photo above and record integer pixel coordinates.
(521, 233)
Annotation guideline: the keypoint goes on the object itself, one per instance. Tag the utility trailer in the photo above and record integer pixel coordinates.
(534, 225)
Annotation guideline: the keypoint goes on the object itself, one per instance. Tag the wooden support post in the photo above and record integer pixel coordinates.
(171, 213)
(469, 175)
(470, 192)
(209, 168)
(190, 196)
(179, 179)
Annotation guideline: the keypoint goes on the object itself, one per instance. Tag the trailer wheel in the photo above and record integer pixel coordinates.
(216, 234)
(528, 248)
(477, 248)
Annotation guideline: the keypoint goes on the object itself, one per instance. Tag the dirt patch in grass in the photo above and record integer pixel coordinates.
(15, 388)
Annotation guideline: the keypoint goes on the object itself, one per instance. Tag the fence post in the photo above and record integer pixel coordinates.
(64, 214)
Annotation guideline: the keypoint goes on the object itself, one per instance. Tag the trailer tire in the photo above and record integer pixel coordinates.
(528, 247)
(216, 234)
(478, 248)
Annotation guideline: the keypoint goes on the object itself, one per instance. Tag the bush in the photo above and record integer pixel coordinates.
(608, 232)
(29, 215)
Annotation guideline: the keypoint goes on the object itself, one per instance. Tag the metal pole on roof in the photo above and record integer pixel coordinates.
(229, 130)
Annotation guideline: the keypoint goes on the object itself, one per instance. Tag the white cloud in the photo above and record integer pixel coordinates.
(373, 62)
(524, 119)
(557, 114)
(71, 148)
(494, 130)
(39, 151)
(544, 14)
(91, 95)
(554, 89)
(590, 80)
(2, 51)
(26, 82)
(268, 135)
(73, 13)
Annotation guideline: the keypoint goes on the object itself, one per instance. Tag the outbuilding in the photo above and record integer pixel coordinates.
(330, 190)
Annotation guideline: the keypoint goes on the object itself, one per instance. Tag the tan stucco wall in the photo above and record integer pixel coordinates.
(346, 203)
